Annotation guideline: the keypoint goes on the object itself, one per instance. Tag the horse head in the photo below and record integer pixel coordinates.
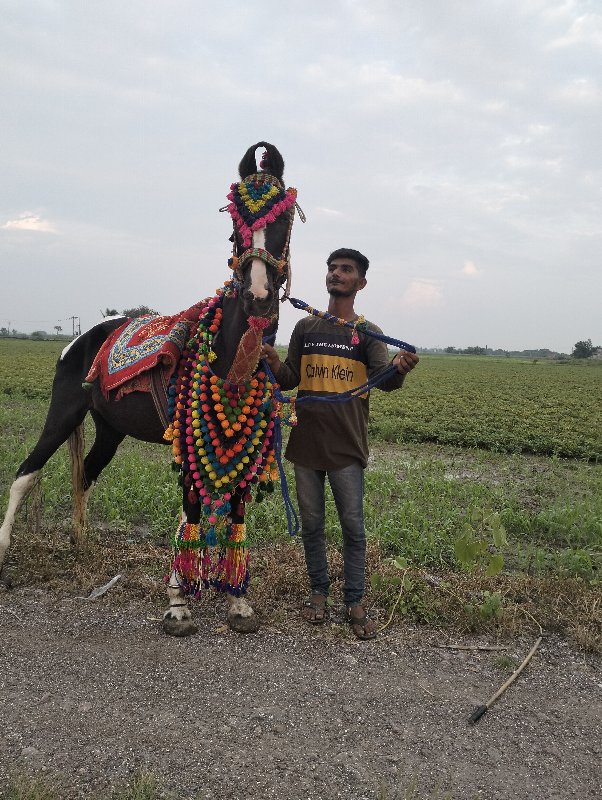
(262, 210)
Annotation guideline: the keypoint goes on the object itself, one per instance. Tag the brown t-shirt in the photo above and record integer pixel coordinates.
(322, 360)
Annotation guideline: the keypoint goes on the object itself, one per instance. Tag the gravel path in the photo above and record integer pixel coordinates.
(93, 692)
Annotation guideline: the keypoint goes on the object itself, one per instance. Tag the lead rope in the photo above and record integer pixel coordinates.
(357, 325)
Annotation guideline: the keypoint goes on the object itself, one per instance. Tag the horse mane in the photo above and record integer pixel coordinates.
(272, 162)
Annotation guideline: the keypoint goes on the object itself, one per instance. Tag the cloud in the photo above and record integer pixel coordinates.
(470, 269)
(328, 212)
(581, 91)
(423, 293)
(29, 222)
(375, 85)
(585, 30)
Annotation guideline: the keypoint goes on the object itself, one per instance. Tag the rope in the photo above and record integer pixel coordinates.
(303, 306)
(291, 514)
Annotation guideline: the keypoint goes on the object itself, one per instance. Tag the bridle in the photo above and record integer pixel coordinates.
(283, 201)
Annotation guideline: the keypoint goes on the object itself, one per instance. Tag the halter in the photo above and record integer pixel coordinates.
(257, 201)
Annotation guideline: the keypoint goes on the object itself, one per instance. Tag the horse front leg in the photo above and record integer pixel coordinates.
(186, 565)
(177, 620)
(241, 616)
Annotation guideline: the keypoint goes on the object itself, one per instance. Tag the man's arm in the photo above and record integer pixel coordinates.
(405, 361)
(287, 372)
(378, 358)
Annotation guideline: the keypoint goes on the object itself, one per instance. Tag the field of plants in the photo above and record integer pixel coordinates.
(502, 404)
(478, 465)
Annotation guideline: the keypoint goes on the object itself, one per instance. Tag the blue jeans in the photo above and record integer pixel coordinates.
(347, 486)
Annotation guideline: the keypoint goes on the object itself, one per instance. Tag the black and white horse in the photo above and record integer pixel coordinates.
(135, 414)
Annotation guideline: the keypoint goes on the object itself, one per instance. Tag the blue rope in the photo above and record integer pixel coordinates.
(303, 306)
(291, 514)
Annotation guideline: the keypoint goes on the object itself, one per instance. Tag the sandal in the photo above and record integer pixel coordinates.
(361, 623)
(318, 606)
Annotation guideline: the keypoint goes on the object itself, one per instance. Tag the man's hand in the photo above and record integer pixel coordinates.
(405, 361)
(272, 357)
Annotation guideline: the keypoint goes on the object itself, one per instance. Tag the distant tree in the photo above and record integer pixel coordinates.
(4, 332)
(475, 351)
(110, 312)
(450, 349)
(58, 329)
(39, 335)
(138, 311)
(584, 349)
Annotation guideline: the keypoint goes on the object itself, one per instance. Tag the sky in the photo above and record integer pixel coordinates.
(457, 144)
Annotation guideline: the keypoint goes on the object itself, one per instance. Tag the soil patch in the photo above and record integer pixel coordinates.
(92, 693)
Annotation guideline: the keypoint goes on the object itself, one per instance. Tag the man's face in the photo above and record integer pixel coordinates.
(343, 278)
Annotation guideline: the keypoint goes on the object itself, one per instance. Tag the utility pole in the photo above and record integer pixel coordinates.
(73, 318)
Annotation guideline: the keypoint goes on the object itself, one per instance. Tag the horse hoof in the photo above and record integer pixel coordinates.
(179, 627)
(243, 624)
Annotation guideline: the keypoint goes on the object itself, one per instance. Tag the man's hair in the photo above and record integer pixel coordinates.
(346, 252)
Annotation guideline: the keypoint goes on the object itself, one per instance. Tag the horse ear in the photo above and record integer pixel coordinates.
(272, 163)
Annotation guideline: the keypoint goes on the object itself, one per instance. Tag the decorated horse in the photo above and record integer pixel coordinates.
(193, 380)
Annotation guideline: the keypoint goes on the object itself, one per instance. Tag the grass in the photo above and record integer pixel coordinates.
(24, 787)
(146, 787)
(420, 496)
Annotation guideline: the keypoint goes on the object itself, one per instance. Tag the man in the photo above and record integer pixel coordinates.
(331, 439)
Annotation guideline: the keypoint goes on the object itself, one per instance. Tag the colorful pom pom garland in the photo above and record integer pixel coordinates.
(257, 201)
(222, 442)
(197, 570)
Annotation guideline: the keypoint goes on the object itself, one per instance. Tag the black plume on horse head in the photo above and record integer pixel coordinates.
(272, 162)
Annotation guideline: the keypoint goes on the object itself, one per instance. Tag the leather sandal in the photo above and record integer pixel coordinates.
(360, 622)
(318, 608)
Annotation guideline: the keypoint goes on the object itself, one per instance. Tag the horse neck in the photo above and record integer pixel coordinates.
(234, 324)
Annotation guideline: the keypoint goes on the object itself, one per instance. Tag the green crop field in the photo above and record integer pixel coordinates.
(507, 405)
(470, 446)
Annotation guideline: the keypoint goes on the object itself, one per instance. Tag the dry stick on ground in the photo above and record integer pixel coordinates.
(473, 646)
(480, 710)
(388, 622)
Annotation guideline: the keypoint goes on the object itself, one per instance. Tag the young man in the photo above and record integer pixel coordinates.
(331, 439)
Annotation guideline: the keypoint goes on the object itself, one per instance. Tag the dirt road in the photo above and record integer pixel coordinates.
(91, 693)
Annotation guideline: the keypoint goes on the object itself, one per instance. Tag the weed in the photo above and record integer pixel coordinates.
(489, 609)
(483, 535)
(505, 663)
(27, 788)
(142, 787)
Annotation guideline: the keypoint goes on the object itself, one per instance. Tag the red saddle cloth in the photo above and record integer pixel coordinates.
(139, 345)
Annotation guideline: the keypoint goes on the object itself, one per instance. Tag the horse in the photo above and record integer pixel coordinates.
(224, 350)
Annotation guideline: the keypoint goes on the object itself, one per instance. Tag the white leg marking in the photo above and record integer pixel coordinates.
(18, 492)
(178, 606)
(259, 275)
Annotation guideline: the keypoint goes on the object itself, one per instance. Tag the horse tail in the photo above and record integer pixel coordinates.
(272, 162)
(76, 444)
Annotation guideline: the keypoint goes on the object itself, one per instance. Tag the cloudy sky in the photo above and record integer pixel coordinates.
(456, 143)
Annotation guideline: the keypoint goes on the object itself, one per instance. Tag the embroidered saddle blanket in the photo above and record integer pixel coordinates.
(126, 358)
